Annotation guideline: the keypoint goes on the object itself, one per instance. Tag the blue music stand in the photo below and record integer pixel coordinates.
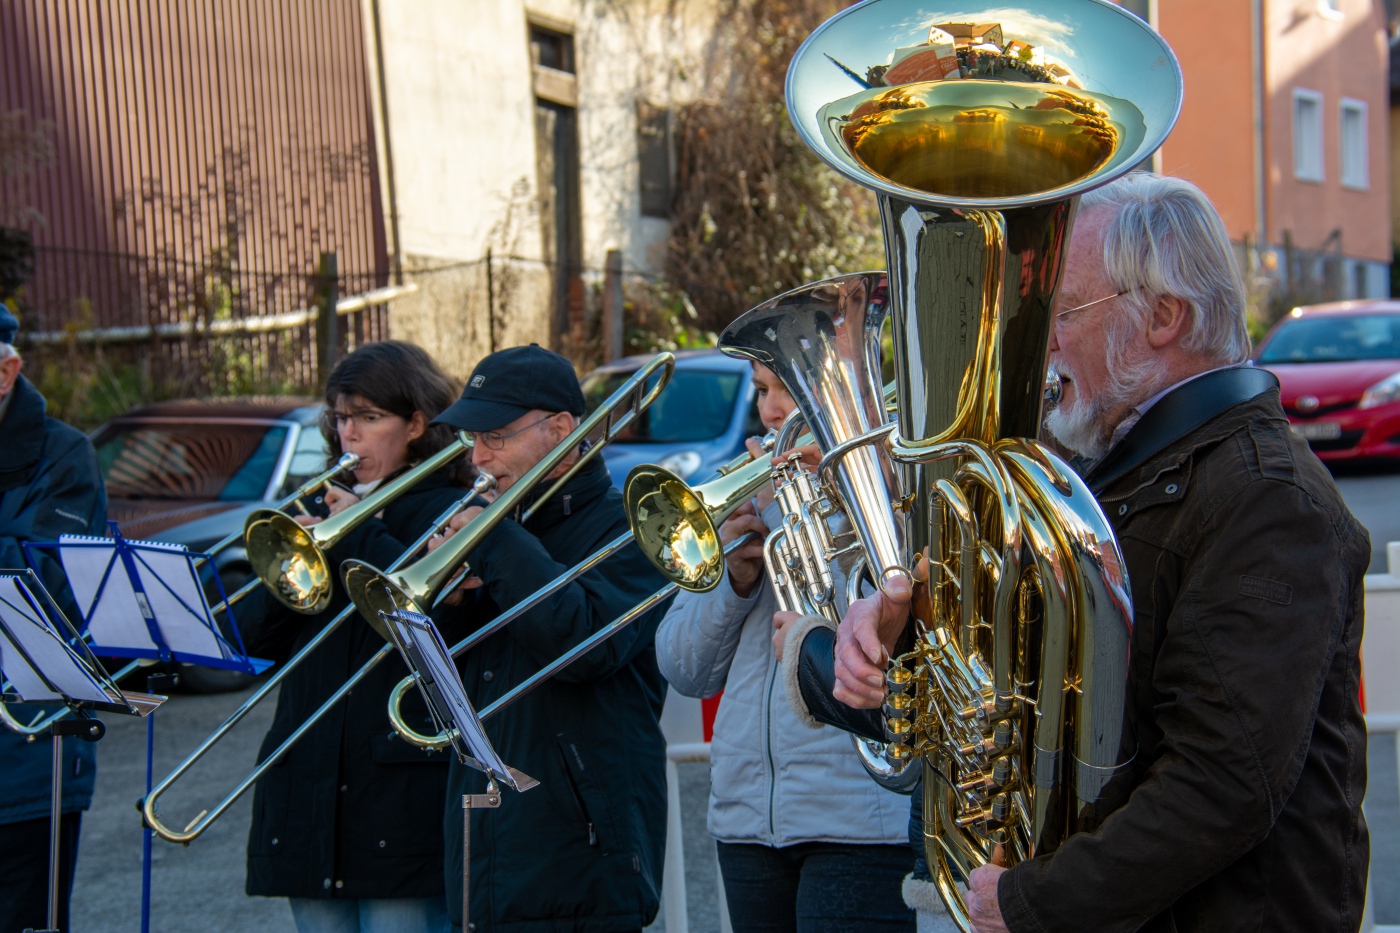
(145, 599)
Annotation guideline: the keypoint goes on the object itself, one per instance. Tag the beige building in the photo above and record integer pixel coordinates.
(1285, 126)
(537, 134)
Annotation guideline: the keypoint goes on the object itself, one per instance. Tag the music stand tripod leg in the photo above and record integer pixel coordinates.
(89, 730)
(489, 800)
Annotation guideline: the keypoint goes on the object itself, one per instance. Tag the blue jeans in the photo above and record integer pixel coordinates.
(816, 887)
(365, 915)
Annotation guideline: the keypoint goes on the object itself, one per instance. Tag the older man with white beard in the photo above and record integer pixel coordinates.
(1242, 808)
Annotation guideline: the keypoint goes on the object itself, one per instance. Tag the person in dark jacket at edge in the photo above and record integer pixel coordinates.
(50, 485)
(344, 826)
(1242, 808)
(584, 850)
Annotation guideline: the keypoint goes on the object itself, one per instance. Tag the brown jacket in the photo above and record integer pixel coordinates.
(1243, 808)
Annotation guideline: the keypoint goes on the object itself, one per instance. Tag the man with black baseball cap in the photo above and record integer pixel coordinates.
(585, 848)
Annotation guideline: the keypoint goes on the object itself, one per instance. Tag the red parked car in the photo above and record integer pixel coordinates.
(1339, 366)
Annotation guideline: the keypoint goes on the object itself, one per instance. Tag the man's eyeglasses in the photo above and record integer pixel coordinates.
(1099, 301)
(495, 440)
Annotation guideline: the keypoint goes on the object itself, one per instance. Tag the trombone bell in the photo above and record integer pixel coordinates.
(674, 528)
(285, 556)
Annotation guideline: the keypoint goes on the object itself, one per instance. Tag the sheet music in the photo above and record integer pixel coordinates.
(428, 642)
(44, 646)
(86, 567)
(113, 623)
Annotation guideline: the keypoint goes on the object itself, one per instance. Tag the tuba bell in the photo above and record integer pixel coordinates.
(978, 133)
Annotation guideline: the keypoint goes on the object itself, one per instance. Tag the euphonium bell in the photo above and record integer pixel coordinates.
(978, 131)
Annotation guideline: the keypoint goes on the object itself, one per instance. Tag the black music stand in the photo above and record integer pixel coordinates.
(426, 655)
(46, 661)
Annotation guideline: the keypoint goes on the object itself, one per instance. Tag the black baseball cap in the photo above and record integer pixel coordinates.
(510, 383)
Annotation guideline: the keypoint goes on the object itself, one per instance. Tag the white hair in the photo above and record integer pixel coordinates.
(1166, 240)
(7, 350)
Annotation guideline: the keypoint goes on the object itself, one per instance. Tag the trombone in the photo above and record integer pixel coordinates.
(675, 525)
(150, 803)
(294, 550)
(290, 558)
(42, 723)
(421, 583)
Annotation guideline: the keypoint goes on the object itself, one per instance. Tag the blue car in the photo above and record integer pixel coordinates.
(697, 425)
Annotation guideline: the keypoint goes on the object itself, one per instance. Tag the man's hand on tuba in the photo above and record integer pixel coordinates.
(864, 641)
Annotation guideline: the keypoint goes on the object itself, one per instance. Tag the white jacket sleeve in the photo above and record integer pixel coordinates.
(696, 641)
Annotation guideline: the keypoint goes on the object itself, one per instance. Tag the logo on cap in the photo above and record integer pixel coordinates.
(478, 381)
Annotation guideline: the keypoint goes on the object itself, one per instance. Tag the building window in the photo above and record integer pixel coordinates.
(1307, 135)
(551, 49)
(654, 161)
(1356, 169)
(1143, 8)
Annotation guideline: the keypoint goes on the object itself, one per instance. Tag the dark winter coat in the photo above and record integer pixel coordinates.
(1243, 807)
(352, 810)
(50, 485)
(584, 850)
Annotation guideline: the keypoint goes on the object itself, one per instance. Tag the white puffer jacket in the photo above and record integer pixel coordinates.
(777, 778)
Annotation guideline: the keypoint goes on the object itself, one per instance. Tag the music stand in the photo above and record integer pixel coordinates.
(426, 655)
(46, 661)
(145, 599)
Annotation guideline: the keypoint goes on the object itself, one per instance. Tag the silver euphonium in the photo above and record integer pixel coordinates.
(978, 131)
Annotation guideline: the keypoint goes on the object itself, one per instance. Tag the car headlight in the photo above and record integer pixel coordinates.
(1387, 390)
(682, 464)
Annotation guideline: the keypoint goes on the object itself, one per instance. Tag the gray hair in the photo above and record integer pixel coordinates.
(7, 350)
(1166, 240)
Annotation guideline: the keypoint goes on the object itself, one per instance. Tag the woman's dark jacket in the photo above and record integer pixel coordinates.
(584, 850)
(50, 485)
(352, 810)
(1242, 809)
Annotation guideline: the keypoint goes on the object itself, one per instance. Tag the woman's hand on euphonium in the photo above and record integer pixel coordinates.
(746, 561)
(864, 641)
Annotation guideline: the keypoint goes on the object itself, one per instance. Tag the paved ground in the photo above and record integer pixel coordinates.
(201, 887)
(1374, 497)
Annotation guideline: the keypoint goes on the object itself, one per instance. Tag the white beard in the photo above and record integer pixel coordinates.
(1086, 427)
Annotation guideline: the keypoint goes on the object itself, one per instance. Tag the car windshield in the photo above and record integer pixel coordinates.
(189, 460)
(696, 406)
(1332, 339)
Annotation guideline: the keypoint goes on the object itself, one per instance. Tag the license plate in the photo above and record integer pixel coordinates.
(1318, 431)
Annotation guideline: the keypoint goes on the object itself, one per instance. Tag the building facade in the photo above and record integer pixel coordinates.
(1285, 125)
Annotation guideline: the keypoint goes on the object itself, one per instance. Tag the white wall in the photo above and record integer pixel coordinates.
(460, 122)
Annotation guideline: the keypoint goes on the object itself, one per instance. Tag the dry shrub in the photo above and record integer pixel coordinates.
(756, 213)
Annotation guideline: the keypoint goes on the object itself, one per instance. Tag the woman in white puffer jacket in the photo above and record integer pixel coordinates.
(807, 841)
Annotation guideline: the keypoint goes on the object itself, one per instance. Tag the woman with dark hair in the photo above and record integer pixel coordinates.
(346, 825)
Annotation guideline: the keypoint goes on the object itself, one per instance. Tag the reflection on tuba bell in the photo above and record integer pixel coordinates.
(978, 131)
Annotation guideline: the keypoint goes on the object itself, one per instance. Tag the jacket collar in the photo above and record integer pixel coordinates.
(1264, 405)
(23, 430)
(591, 482)
(1177, 415)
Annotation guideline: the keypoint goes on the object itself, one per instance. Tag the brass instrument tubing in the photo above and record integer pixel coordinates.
(197, 827)
(641, 402)
(592, 641)
(347, 461)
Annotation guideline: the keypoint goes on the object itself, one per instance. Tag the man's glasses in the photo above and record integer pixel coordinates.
(495, 440)
(1099, 301)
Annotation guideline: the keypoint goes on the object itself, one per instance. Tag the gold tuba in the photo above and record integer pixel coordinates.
(978, 131)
